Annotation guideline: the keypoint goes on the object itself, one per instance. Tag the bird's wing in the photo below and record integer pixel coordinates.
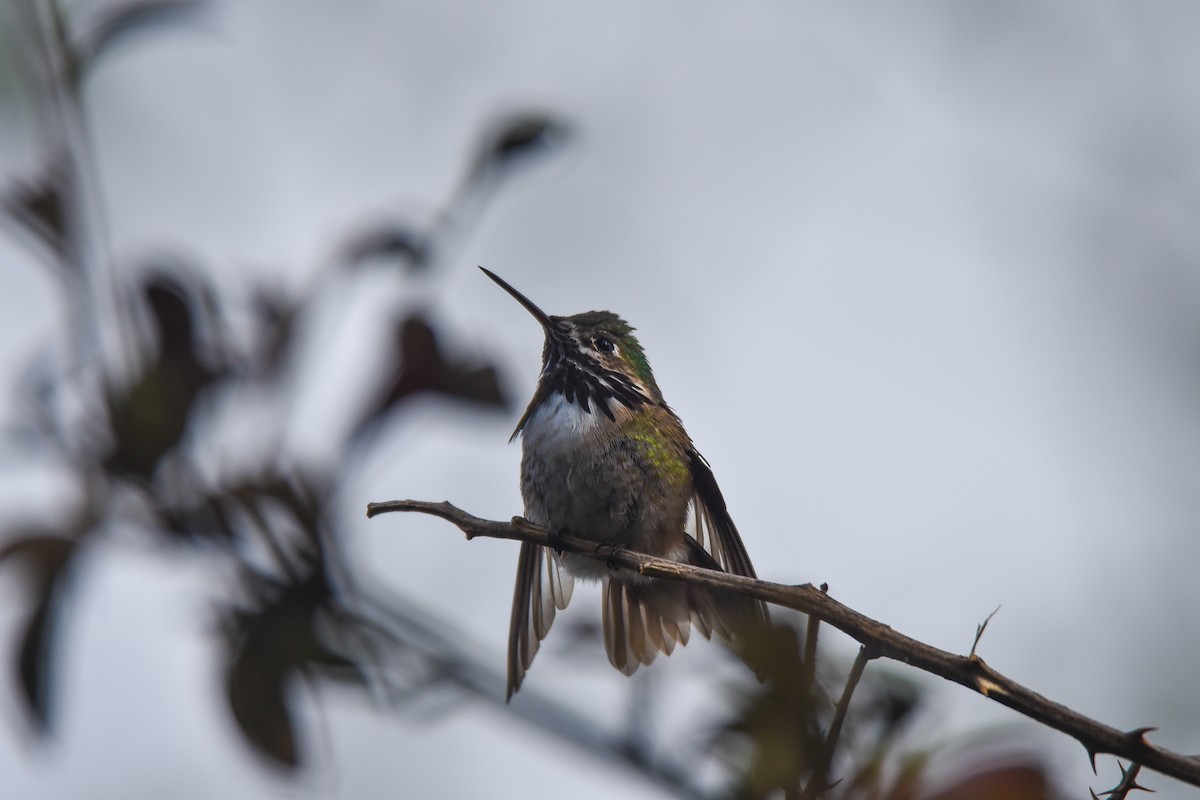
(713, 528)
(711, 525)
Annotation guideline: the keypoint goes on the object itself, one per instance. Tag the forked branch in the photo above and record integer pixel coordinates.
(878, 639)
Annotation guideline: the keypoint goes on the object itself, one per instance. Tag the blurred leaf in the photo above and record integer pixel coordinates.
(303, 494)
(44, 550)
(894, 698)
(118, 24)
(172, 316)
(150, 416)
(424, 368)
(518, 137)
(273, 642)
(421, 367)
(40, 206)
(200, 517)
(34, 660)
(390, 241)
(269, 644)
(44, 556)
(255, 688)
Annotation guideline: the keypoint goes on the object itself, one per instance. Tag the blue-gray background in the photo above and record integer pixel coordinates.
(922, 281)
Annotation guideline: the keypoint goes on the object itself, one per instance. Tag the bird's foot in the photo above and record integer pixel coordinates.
(613, 550)
(554, 539)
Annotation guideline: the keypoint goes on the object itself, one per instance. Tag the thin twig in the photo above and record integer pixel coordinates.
(883, 641)
(808, 666)
(820, 779)
(839, 718)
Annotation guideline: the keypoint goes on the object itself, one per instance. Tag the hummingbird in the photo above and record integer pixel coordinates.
(604, 458)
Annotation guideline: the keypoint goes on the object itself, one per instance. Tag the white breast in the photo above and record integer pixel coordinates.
(557, 427)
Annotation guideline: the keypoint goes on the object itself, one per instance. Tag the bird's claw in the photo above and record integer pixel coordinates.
(614, 550)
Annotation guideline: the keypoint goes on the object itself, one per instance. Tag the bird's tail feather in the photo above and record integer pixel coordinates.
(646, 617)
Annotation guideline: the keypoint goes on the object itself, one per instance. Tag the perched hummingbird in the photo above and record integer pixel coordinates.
(604, 458)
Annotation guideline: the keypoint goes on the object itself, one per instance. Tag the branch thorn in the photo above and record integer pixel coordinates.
(1139, 734)
(979, 632)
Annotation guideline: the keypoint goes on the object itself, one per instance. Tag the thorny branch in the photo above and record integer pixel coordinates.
(1128, 784)
(880, 640)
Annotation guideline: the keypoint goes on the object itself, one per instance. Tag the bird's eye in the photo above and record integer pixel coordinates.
(604, 345)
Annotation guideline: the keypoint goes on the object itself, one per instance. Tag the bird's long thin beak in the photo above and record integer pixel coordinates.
(538, 314)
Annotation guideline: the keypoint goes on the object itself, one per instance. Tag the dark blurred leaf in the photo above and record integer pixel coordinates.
(303, 494)
(44, 557)
(172, 317)
(326, 658)
(149, 417)
(118, 24)
(390, 241)
(269, 505)
(274, 642)
(39, 205)
(518, 137)
(421, 367)
(509, 142)
(200, 517)
(255, 687)
(424, 368)
(35, 658)
(43, 550)
(269, 645)
(894, 699)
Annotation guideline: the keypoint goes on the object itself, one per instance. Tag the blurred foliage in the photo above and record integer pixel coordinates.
(295, 612)
(135, 455)
(817, 727)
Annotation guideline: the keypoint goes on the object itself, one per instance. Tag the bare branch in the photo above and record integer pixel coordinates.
(880, 640)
